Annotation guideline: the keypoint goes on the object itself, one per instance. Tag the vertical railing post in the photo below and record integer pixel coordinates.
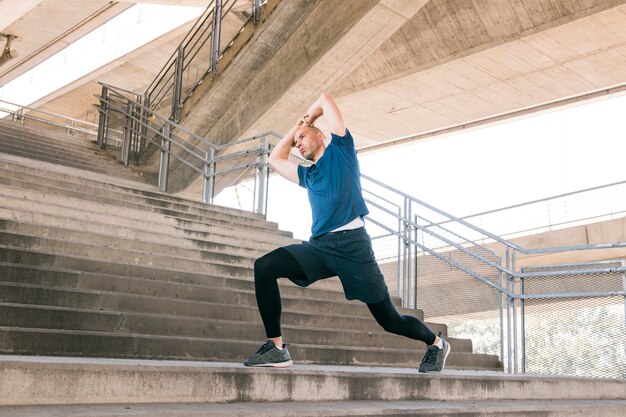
(624, 286)
(414, 269)
(165, 158)
(127, 134)
(515, 327)
(217, 28)
(399, 262)
(178, 85)
(19, 118)
(522, 291)
(502, 330)
(103, 118)
(509, 318)
(208, 182)
(262, 173)
(406, 264)
(71, 129)
(256, 11)
(143, 136)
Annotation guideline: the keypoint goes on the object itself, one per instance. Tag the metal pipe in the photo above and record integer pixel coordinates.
(501, 316)
(508, 313)
(514, 305)
(127, 134)
(178, 85)
(208, 182)
(165, 159)
(523, 325)
(624, 286)
(399, 271)
(217, 27)
(103, 117)
(443, 213)
(263, 173)
(256, 12)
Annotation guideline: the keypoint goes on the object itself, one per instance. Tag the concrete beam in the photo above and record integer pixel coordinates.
(11, 10)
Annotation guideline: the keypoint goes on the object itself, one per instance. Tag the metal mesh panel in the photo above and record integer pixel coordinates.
(577, 336)
(471, 309)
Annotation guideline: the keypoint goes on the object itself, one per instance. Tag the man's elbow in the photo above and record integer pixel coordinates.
(326, 96)
(271, 160)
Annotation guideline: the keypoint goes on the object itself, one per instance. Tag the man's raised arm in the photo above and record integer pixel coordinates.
(279, 158)
(327, 106)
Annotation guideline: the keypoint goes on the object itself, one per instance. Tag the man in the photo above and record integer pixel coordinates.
(339, 244)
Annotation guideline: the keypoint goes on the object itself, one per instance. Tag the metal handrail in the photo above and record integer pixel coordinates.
(541, 200)
(48, 113)
(498, 239)
(204, 33)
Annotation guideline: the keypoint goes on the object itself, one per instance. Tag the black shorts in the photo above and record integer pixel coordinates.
(347, 254)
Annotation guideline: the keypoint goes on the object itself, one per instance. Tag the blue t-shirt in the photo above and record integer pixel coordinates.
(334, 186)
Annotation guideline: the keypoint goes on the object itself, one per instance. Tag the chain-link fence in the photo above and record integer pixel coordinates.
(582, 335)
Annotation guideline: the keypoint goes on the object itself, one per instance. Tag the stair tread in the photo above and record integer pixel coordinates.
(321, 409)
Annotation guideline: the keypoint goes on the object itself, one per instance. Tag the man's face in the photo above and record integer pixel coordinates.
(310, 143)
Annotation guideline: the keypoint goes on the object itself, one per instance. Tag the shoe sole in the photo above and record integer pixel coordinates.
(272, 365)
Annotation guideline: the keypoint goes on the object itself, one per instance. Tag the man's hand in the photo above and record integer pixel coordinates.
(304, 121)
(326, 105)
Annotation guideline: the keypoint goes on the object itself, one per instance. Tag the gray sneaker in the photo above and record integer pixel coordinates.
(270, 355)
(435, 358)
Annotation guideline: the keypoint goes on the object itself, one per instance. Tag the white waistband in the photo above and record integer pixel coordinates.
(354, 224)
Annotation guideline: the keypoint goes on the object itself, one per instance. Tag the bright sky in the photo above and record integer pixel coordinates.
(124, 33)
(512, 162)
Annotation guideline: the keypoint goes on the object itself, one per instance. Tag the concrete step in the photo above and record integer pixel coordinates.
(62, 152)
(174, 247)
(44, 317)
(19, 220)
(26, 177)
(29, 341)
(55, 152)
(56, 159)
(132, 176)
(106, 185)
(78, 148)
(215, 304)
(364, 408)
(129, 223)
(196, 287)
(41, 380)
(44, 133)
(214, 263)
(65, 150)
(101, 203)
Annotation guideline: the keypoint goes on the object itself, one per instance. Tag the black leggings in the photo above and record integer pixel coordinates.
(281, 264)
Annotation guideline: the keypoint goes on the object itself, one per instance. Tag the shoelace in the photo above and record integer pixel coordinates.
(264, 348)
(267, 346)
(431, 355)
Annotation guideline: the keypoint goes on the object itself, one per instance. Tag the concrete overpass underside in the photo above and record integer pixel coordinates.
(397, 67)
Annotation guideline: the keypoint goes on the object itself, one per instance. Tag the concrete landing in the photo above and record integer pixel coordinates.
(586, 408)
(45, 380)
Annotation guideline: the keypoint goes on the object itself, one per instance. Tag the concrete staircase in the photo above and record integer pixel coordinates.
(95, 264)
